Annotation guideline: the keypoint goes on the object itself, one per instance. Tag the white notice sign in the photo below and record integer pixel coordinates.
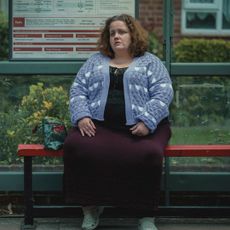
(60, 29)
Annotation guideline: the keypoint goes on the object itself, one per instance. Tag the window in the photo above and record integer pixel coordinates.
(206, 17)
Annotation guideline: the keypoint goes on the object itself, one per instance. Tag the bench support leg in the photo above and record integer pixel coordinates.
(166, 181)
(28, 194)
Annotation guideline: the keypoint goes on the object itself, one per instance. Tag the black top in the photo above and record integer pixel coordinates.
(115, 106)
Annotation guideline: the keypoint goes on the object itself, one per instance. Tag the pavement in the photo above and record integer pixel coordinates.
(15, 223)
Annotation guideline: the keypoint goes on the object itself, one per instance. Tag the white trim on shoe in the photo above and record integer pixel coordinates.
(91, 217)
(147, 223)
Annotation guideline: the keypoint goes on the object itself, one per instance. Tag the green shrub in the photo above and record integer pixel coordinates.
(201, 100)
(9, 123)
(17, 124)
(200, 105)
(4, 44)
(155, 46)
(43, 102)
(202, 50)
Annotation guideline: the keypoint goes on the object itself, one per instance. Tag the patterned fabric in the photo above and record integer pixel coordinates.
(147, 89)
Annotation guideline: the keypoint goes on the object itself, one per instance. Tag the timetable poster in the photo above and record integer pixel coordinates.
(60, 29)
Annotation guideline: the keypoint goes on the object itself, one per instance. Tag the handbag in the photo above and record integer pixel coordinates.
(54, 133)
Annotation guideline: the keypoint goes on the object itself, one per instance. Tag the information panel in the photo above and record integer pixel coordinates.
(60, 29)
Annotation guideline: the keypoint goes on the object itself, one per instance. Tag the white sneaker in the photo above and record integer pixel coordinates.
(91, 217)
(147, 223)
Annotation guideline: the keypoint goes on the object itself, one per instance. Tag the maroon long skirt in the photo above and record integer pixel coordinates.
(114, 167)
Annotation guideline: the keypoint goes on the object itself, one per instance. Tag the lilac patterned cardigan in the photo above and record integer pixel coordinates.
(148, 90)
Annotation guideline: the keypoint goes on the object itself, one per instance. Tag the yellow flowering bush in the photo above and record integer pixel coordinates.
(41, 102)
(18, 123)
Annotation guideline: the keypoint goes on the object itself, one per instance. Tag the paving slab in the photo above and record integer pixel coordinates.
(10, 223)
(118, 224)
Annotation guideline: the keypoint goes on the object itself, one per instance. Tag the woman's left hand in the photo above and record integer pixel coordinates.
(140, 129)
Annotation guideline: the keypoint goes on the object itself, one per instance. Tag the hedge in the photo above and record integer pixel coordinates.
(201, 100)
(202, 50)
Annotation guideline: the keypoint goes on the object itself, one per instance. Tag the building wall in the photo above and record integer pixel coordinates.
(151, 17)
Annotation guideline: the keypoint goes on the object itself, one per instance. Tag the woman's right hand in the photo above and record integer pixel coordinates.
(87, 127)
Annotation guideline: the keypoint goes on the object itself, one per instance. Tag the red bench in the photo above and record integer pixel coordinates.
(36, 150)
(25, 150)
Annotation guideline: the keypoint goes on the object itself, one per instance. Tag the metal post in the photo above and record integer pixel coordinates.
(28, 194)
(167, 32)
(166, 181)
(167, 29)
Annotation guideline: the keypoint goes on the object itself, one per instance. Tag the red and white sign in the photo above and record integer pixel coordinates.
(58, 29)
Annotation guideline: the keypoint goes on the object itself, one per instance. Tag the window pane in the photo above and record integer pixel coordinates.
(24, 100)
(200, 20)
(226, 23)
(200, 111)
(200, 114)
(226, 14)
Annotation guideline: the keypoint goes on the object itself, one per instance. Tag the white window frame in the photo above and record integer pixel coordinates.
(190, 5)
(215, 7)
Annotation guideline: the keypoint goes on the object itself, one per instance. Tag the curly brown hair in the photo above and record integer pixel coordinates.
(139, 36)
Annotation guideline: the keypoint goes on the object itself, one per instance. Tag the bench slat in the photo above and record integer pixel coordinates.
(37, 150)
(197, 150)
(171, 150)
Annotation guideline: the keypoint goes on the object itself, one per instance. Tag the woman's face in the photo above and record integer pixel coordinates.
(120, 38)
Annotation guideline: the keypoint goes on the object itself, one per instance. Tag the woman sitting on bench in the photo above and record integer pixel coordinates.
(119, 107)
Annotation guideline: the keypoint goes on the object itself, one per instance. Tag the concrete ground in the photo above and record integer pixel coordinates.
(14, 223)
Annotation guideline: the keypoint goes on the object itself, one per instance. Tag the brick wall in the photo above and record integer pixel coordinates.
(151, 17)
(177, 20)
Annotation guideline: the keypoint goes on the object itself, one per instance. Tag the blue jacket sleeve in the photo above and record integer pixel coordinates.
(160, 93)
(79, 93)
